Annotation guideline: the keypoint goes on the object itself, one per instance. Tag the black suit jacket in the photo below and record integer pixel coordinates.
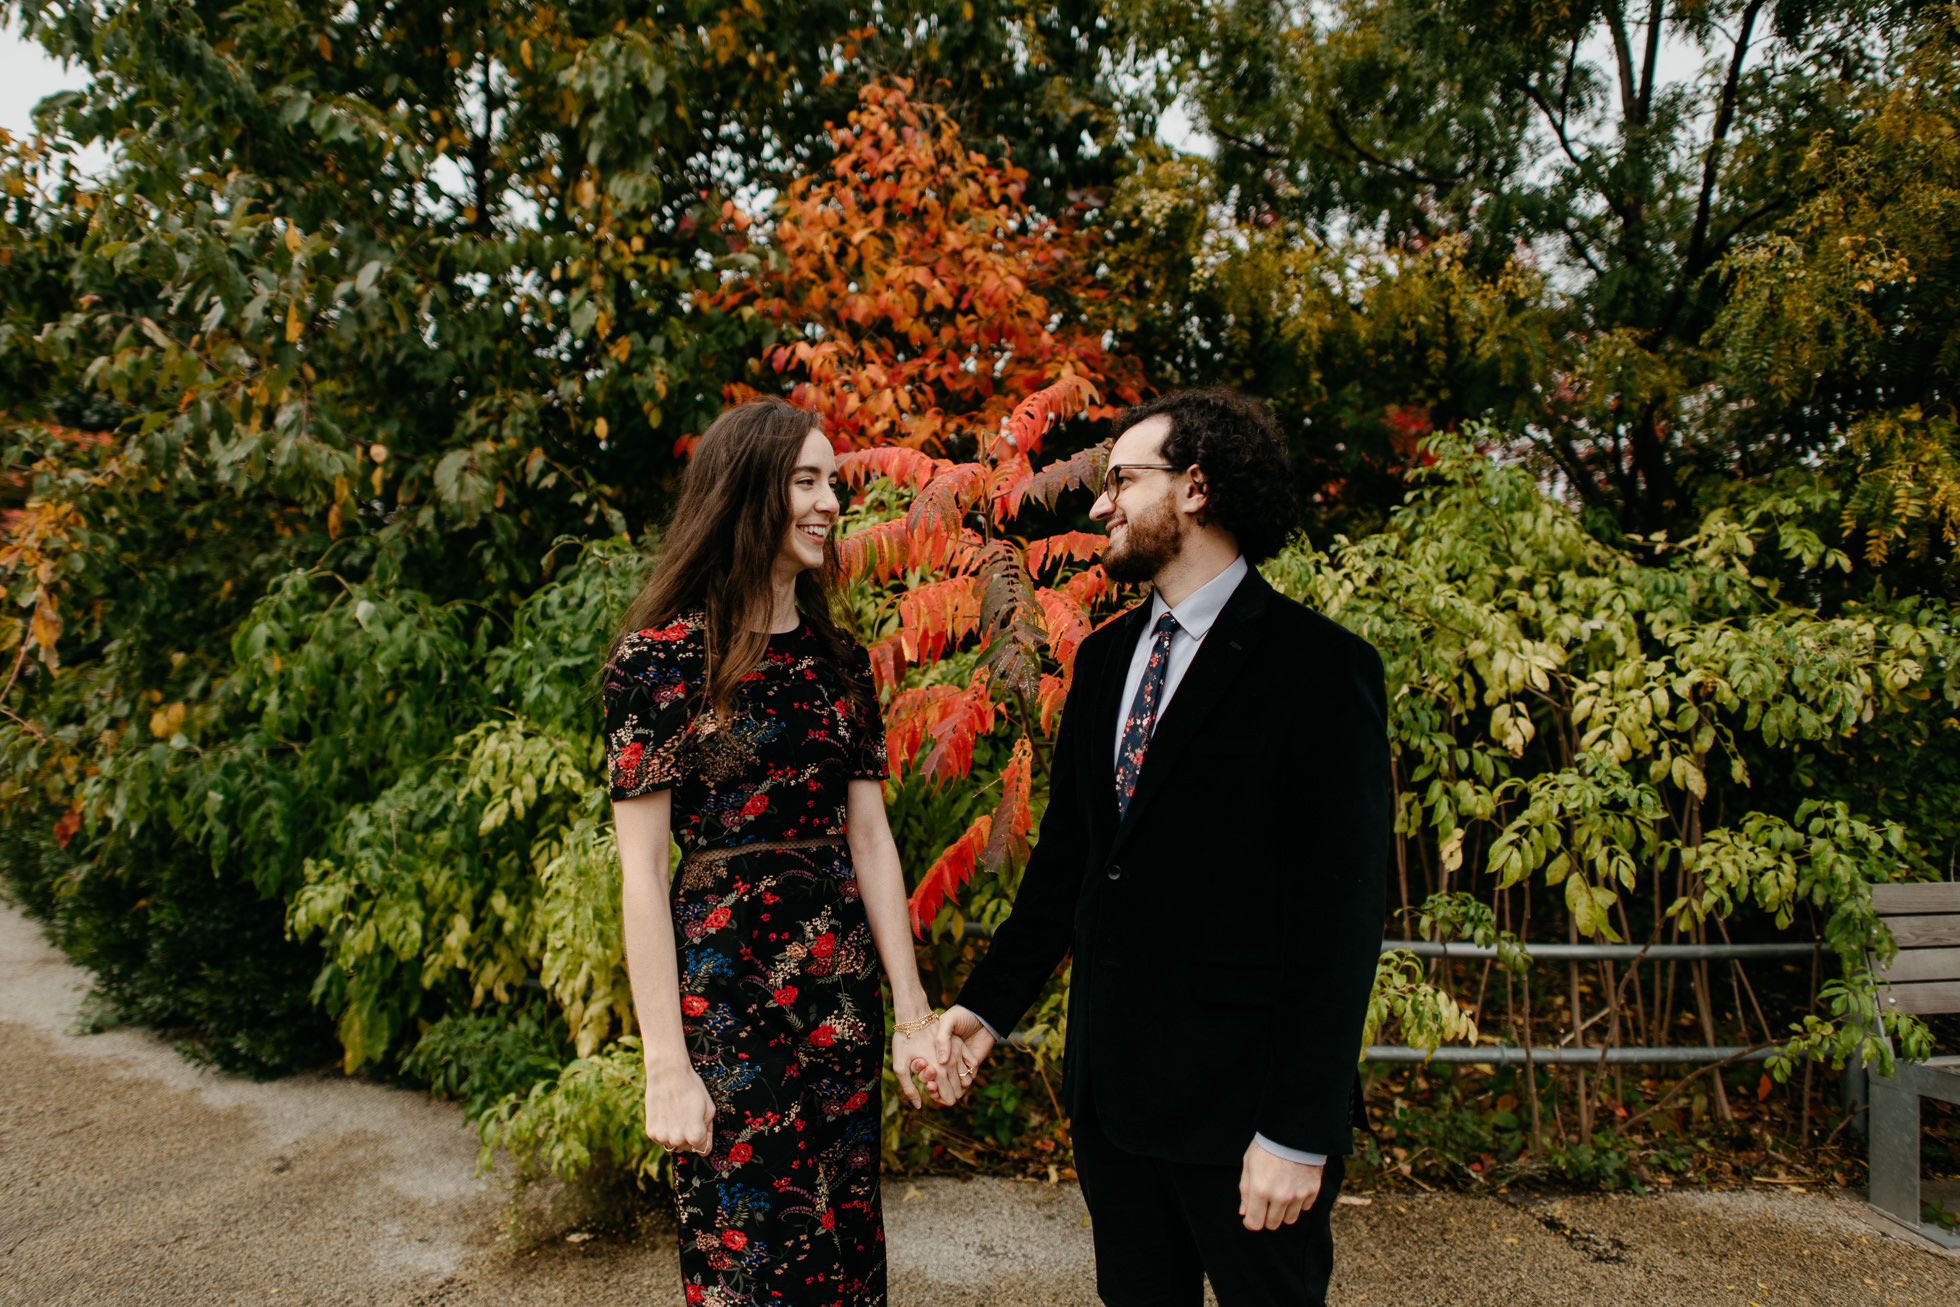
(1225, 932)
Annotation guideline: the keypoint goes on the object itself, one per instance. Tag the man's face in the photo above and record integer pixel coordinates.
(1137, 508)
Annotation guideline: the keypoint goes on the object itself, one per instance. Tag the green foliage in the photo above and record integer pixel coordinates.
(1564, 710)
(328, 409)
(300, 394)
(1462, 916)
(1422, 1014)
(590, 1115)
(482, 1059)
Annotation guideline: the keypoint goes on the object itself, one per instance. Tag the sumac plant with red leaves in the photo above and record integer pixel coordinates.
(942, 329)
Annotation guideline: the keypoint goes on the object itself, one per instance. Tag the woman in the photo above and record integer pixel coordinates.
(741, 720)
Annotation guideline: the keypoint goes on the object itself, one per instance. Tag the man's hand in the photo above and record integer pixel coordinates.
(913, 1056)
(680, 1114)
(960, 1045)
(1273, 1191)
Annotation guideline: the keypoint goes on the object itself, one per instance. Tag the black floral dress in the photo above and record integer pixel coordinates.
(778, 976)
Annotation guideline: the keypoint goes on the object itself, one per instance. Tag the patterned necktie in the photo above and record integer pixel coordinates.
(1143, 715)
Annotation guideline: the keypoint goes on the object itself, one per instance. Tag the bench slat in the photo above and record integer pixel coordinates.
(1923, 964)
(1925, 932)
(1924, 1000)
(1928, 896)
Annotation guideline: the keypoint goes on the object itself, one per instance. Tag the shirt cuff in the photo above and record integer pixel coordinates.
(1289, 1154)
(986, 1025)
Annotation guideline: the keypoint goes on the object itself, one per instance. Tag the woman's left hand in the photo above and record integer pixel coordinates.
(913, 1056)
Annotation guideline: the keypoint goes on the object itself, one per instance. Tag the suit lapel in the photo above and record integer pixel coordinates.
(1211, 673)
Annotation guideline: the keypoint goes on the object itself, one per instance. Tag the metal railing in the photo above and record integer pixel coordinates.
(1562, 1055)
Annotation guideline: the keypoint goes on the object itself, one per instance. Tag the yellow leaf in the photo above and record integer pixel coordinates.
(379, 453)
(294, 323)
(524, 51)
(293, 238)
(621, 348)
(333, 522)
(325, 46)
(601, 428)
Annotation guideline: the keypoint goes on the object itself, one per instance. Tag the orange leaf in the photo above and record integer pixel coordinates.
(1051, 404)
(948, 872)
(1012, 819)
(907, 467)
(1052, 695)
(1076, 546)
(948, 498)
(963, 721)
(882, 550)
(912, 715)
(887, 663)
(1068, 622)
(935, 617)
(1082, 470)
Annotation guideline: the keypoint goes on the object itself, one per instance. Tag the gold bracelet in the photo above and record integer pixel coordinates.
(914, 1027)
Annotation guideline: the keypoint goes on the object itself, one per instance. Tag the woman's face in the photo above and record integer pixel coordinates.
(813, 505)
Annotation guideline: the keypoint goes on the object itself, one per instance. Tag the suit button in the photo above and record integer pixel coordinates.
(1115, 872)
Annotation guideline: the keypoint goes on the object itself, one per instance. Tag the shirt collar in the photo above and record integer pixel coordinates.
(1202, 606)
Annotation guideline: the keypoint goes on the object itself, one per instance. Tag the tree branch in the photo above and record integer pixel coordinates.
(1347, 139)
(1576, 239)
(1623, 55)
(1654, 12)
(1585, 166)
(1712, 164)
(1259, 148)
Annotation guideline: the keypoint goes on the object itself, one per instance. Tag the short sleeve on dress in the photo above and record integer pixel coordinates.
(646, 694)
(868, 761)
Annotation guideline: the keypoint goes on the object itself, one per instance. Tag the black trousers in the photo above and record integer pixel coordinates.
(1162, 1227)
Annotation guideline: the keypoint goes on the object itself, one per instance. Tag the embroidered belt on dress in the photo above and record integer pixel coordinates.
(738, 850)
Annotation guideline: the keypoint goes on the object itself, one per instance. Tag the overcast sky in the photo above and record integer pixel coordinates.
(26, 75)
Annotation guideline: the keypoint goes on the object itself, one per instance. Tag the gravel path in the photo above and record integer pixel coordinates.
(130, 1177)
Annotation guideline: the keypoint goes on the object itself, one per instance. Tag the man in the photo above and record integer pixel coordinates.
(1214, 856)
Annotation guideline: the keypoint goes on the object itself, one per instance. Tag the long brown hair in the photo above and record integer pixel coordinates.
(720, 548)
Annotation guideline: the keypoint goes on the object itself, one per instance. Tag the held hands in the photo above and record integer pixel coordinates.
(944, 1056)
(1273, 1191)
(913, 1063)
(960, 1045)
(680, 1115)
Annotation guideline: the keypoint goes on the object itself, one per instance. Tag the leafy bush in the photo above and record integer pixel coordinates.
(485, 1058)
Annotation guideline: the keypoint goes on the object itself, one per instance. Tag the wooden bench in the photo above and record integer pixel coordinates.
(1923, 979)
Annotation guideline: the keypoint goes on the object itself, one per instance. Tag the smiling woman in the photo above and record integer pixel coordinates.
(739, 720)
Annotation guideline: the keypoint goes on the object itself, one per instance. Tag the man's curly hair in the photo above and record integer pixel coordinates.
(1239, 447)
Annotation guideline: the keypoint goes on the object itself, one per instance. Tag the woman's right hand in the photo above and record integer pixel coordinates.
(680, 1115)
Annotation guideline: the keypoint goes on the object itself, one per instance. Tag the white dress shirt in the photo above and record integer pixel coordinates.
(1195, 618)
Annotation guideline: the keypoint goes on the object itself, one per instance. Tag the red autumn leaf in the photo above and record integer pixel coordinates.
(1074, 546)
(908, 467)
(949, 871)
(1012, 817)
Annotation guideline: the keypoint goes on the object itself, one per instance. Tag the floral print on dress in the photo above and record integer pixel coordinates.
(784, 1022)
(778, 974)
(776, 773)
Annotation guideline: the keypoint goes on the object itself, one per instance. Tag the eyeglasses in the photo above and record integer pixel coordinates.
(1113, 481)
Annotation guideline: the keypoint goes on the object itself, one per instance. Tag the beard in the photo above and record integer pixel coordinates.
(1150, 542)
